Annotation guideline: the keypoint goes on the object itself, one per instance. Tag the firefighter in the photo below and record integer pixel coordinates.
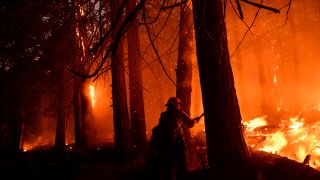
(168, 141)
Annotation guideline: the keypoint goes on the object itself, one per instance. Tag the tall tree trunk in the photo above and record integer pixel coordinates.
(16, 123)
(122, 134)
(184, 65)
(61, 113)
(82, 105)
(78, 127)
(88, 131)
(138, 124)
(228, 153)
(62, 48)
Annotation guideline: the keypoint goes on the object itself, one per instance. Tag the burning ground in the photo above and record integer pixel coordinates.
(295, 137)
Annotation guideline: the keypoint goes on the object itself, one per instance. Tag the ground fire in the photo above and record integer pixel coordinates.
(296, 137)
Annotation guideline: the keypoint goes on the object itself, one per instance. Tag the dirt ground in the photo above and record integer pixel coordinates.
(100, 163)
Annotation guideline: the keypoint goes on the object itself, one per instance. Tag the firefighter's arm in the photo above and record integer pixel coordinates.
(186, 120)
(197, 119)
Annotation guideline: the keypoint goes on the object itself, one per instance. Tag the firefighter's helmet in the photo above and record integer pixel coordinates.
(173, 101)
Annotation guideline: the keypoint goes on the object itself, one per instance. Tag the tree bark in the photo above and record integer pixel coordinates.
(88, 131)
(184, 65)
(83, 110)
(61, 113)
(138, 125)
(121, 120)
(78, 127)
(228, 153)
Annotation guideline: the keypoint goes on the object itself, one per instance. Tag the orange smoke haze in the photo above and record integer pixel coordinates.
(276, 74)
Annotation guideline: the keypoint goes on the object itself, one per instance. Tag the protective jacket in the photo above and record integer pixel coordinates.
(168, 135)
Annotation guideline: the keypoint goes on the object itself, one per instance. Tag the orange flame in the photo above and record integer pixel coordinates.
(275, 143)
(257, 122)
(295, 138)
(92, 95)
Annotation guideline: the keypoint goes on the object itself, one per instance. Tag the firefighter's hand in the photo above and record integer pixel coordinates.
(197, 119)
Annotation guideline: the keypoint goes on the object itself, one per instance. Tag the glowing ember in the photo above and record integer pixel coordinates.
(92, 95)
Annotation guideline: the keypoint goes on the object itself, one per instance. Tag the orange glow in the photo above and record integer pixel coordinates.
(38, 142)
(92, 89)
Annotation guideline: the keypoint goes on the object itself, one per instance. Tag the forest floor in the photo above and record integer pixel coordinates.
(100, 163)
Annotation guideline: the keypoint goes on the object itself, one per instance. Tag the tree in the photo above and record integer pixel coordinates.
(83, 116)
(122, 131)
(184, 65)
(138, 125)
(20, 70)
(59, 52)
(228, 153)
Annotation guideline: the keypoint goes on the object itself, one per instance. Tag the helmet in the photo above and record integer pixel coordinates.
(173, 101)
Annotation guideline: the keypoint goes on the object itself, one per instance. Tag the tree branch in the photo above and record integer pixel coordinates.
(174, 5)
(262, 6)
(239, 9)
(249, 29)
(156, 51)
(113, 47)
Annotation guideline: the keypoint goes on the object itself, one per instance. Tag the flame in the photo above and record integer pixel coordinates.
(257, 122)
(275, 143)
(37, 142)
(275, 79)
(296, 126)
(294, 137)
(92, 95)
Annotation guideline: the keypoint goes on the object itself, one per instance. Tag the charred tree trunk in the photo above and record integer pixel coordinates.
(83, 114)
(138, 125)
(78, 127)
(61, 114)
(16, 112)
(184, 65)
(83, 111)
(86, 113)
(61, 52)
(228, 153)
(121, 119)
(16, 123)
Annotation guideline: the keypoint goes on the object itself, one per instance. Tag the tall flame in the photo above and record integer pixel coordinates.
(92, 95)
